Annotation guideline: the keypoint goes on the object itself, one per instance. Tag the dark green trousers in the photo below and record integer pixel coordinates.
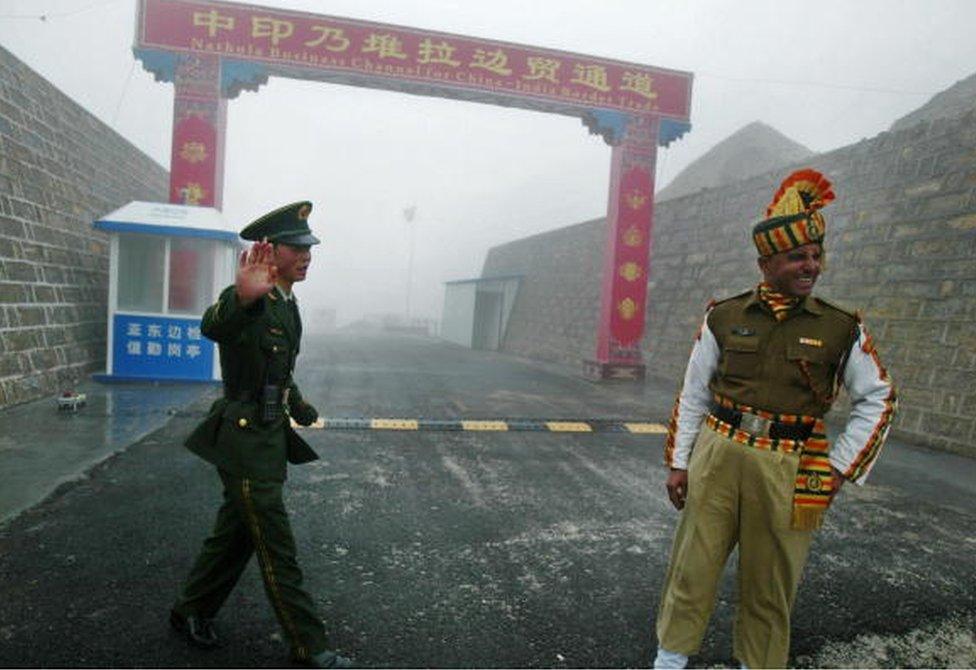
(252, 519)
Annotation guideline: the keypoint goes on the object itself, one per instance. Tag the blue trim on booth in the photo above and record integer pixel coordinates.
(170, 231)
(104, 378)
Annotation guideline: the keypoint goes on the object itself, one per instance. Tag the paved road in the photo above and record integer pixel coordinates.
(471, 549)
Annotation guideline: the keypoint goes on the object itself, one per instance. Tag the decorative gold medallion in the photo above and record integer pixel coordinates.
(633, 237)
(631, 271)
(192, 193)
(193, 152)
(814, 483)
(627, 309)
(635, 199)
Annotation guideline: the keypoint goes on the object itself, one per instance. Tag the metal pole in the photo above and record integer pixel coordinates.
(408, 215)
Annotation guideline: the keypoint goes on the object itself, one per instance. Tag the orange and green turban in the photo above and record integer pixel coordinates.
(793, 217)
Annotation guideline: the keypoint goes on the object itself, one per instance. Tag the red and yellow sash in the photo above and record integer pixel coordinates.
(814, 486)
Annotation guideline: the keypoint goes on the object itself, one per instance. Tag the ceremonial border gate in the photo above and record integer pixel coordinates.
(213, 50)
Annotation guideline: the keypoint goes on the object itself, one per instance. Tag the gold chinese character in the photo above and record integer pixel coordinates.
(494, 61)
(436, 53)
(213, 21)
(631, 271)
(385, 46)
(635, 199)
(276, 29)
(639, 83)
(193, 152)
(334, 39)
(594, 76)
(627, 308)
(542, 68)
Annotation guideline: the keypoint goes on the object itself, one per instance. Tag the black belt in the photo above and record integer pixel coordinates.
(756, 425)
(252, 396)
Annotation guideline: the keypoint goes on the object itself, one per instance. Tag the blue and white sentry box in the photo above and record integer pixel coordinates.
(168, 263)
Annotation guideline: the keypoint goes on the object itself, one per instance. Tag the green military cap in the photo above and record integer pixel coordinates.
(285, 225)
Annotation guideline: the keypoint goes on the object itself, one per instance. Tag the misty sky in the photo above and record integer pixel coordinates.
(825, 73)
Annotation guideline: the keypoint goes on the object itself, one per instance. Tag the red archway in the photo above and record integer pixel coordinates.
(213, 50)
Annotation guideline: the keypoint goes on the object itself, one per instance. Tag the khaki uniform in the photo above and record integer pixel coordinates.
(741, 493)
(258, 345)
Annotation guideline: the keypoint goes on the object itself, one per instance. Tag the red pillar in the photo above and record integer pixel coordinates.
(630, 215)
(199, 125)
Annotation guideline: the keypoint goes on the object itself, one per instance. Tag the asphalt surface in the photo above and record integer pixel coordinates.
(468, 549)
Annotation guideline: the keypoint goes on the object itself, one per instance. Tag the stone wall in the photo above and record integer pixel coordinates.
(60, 168)
(901, 247)
(554, 317)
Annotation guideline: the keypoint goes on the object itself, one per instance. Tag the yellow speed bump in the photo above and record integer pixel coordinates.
(655, 428)
(484, 425)
(569, 427)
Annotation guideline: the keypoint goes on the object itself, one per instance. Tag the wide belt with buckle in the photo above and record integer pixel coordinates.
(757, 425)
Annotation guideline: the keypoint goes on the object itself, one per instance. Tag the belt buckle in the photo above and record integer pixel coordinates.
(754, 424)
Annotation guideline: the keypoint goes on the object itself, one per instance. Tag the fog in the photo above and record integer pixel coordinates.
(825, 74)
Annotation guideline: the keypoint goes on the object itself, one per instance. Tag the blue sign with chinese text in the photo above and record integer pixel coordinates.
(160, 347)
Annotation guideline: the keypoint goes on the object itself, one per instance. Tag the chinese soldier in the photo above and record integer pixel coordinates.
(248, 437)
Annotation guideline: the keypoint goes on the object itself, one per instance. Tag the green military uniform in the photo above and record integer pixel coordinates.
(251, 448)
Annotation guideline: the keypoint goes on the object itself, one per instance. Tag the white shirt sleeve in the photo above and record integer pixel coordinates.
(873, 405)
(694, 400)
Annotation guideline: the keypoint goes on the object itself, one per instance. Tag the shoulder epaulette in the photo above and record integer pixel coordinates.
(840, 308)
(713, 302)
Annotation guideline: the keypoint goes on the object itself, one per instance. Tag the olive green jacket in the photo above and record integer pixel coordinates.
(788, 367)
(258, 345)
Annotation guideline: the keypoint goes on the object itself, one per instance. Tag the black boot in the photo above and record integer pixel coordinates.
(327, 659)
(198, 630)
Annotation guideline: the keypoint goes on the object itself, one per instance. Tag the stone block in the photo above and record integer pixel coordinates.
(11, 227)
(961, 334)
(947, 425)
(954, 380)
(950, 308)
(914, 331)
(31, 316)
(21, 339)
(44, 359)
(11, 292)
(20, 271)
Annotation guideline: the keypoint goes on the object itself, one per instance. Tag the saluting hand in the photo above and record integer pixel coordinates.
(256, 272)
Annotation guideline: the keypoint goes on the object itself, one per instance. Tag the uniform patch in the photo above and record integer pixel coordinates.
(811, 341)
(742, 330)
(275, 331)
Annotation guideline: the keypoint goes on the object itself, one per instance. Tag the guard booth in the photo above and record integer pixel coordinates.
(476, 311)
(168, 263)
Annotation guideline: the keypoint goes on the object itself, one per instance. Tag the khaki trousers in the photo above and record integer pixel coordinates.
(736, 495)
(251, 521)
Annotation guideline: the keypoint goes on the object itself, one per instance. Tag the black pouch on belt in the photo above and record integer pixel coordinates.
(271, 406)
